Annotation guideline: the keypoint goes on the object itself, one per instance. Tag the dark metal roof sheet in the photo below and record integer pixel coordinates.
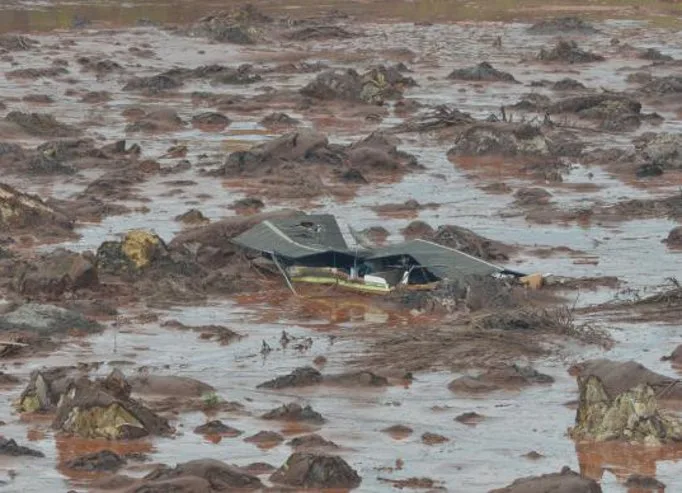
(295, 237)
(442, 261)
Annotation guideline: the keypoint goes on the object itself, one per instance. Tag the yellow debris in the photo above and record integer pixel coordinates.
(140, 246)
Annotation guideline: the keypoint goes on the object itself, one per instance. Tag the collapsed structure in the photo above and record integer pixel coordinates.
(312, 249)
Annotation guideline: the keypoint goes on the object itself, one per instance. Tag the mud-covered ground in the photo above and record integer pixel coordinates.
(544, 146)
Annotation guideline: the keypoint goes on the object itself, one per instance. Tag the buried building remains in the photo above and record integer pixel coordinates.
(311, 249)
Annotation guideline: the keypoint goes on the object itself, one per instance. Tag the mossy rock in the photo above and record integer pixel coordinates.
(112, 423)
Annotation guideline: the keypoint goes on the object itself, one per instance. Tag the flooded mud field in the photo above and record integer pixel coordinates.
(141, 350)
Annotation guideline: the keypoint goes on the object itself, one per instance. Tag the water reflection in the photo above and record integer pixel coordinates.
(623, 459)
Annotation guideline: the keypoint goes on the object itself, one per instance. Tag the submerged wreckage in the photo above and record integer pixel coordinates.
(312, 249)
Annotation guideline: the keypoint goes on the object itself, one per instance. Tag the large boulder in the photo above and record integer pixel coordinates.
(373, 87)
(138, 250)
(566, 481)
(41, 125)
(46, 320)
(305, 470)
(220, 476)
(56, 273)
(662, 150)
(632, 416)
(501, 139)
(483, 72)
(568, 52)
(104, 409)
(618, 377)
(46, 387)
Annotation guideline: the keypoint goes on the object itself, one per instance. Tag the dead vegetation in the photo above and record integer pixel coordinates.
(488, 322)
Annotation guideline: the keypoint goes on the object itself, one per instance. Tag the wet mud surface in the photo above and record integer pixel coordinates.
(560, 155)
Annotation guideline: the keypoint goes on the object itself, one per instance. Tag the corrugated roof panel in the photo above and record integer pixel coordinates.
(442, 261)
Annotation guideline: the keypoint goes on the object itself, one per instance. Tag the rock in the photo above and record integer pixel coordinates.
(239, 26)
(568, 84)
(10, 447)
(46, 320)
(36, 73)
(193, 217)
(568, 52)
(287, 161)
(433, 439)
(639, 482)
(565, 481)
(258, 468)
(472, 385)
(305, 470)
(40, 124)
(568, 24)
(674, 240)
(398, 432)
(169, 385)
(101, 66)
(373, 87)
(515, 376)
(104, 460)
(470, 418)
(217, 427)
(213, 120)
(512, 376)
(532, 196)
(220, 476)
(631, 416)
(654, 55)
(162, 120)
(248, 204)
(154, 84)
(294, 412)
(138, 250)
(300, 377)
(279, 119)
(265, 438)
(619, 376)
(357, 379)
(662, 149)
(38, 99)
(189, 484)
(319, 33)
(19, 210)
(467, 241)
(96, 97)
(222, 334)
(312, 441)
(14, 42)
(501, 139)
(104, 409)
(663, 86)
(616, 112)
(46, 387)
(418, 229)
(533, 455)
(482, 72)
(56, 273)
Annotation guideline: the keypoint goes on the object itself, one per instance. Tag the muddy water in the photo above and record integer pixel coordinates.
(476, 458)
